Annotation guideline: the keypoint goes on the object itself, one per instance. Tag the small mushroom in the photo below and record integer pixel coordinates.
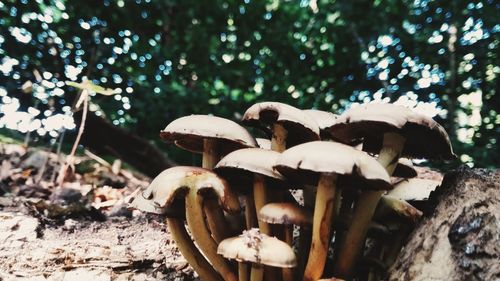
(258, 249)
(160, 197)
(288, 214)
(214, 137)
(391, 131)
(416, 191)
(251, 165)
(289, 125)
(323, 163)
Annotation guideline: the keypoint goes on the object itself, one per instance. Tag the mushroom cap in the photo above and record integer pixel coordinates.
(425, 138)
(389, 206)
(300, 126)
(172, 182)
(263, 143)
(188, 133)
(253, 246)
(324, 119)
(404, 169)
(306, 161)
(414, 189)
(285, 213)
(240, 165)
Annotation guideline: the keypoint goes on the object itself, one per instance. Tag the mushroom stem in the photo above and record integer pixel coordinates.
(250, 212)
(201, 234)
(278, 141)
(210, 154)
(288, 272)
(242, 271)
(216, 219)
(261, 199)
(365, 208)
(322, 222)
(190, 252)
(305, 232)
(256, 273)
(215, 216)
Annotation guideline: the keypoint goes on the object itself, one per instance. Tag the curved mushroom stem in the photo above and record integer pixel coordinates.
(261, 199)
(190, 252)
(322, 222)
(278, 140)
(201, 234)
(216, 219)
(365, 208)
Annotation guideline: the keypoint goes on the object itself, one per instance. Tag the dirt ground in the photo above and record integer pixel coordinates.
(81, 230)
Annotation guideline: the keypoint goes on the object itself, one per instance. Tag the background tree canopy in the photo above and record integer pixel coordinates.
(173, 58)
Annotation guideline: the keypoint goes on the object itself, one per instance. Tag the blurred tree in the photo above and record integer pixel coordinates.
(174, 58)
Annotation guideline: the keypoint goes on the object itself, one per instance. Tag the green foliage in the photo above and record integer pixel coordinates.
(174, 58)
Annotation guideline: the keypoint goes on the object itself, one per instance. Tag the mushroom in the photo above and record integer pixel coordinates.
(214, 137)
(289, 125)
(263, 143)
(160, 198)
(258, 249)
(416, 191)
(324, 119)
(288, 214)
(391, 131)
(404, 169)
(325, 163)
(251, 165)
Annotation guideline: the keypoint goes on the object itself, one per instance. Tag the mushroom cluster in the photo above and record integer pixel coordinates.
(312, 199)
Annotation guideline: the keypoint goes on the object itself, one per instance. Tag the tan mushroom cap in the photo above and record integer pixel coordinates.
(263, 143)
(188, 133)
(253, 246)
(414, 189)
(389, 206)
(355, 168)
(324, 119)
(285, 213)
(301, 127)
(165, 187)
(425, 138)
(404, 169)
(241, 164)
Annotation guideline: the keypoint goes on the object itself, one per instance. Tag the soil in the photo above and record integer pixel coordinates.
(83, 229)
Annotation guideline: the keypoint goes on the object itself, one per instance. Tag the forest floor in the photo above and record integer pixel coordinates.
(82, 230)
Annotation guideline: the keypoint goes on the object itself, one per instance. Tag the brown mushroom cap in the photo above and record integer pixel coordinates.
(285, 213)
(165, 187)
(188, 133)
(425, 138)
(253, 246)
(240, 165)
(301, 127)
(404, 169)
(414, 189)
(355, 168)
(324, 119)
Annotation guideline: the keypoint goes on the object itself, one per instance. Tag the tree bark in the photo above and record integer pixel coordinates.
(458, 238)
(105, 138)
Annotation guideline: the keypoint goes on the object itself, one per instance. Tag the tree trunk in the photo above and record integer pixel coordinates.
(458, 238)
(105, 138)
